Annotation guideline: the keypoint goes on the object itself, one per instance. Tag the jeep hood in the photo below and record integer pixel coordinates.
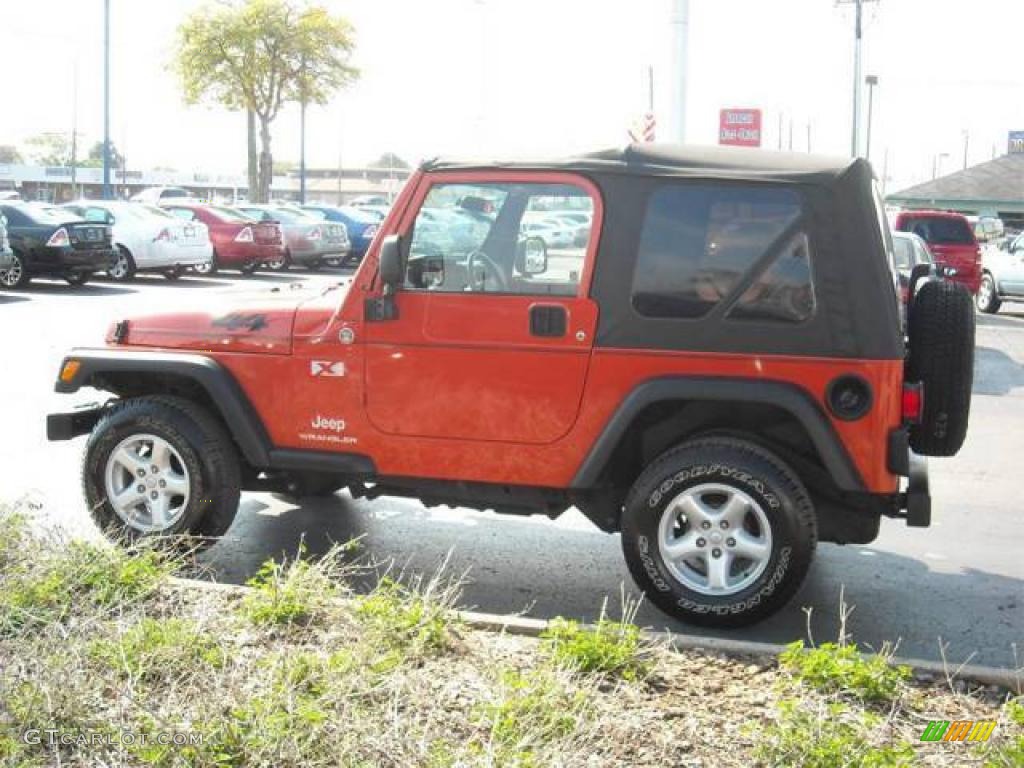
(254, 322)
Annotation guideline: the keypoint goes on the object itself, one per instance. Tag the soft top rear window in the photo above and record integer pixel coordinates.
(941, 230)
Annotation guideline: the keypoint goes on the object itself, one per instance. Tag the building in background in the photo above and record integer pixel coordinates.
(53, 183)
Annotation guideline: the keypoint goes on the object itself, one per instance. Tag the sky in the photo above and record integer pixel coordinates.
(528, 77)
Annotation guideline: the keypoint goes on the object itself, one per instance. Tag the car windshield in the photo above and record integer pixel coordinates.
(941, 230)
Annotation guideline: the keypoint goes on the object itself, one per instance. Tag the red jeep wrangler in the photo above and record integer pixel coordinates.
(717, 371)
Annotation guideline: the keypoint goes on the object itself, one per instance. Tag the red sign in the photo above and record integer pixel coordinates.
(740, 127)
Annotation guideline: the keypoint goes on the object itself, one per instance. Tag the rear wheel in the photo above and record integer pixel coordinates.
(314, 265)
(16, 276)
(248, 269)
(941, 340)
(988, 297)
(173, 273)
(161, 466)
(718, 532)
(122, 267)
(280, 263)
(78, 278)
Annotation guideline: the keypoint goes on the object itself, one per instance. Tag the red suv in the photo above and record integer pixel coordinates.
(238, 242)
(717, 371)
(951, 240)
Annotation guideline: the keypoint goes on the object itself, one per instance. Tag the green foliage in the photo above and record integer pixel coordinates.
(293, 593)
(95, 157)
(405, 621)
(50, 149)
(611, 648)
(258, 55)
(45, 588)
(159, 648)
(1008, 752)
(826, 738)
(533, 709)
(833, 668)
(9, 155)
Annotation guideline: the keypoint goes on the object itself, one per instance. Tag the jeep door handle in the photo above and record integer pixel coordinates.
(548, 320)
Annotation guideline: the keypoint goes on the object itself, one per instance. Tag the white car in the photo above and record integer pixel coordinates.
(1002, 275)
(148, 239)
(554, 233)
(156, 195)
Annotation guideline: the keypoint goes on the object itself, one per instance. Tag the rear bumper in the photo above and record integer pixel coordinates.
(173, 255)
(304, 254)
(62, 261)
(242, 254)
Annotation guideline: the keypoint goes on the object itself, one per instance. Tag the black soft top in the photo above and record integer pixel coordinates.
(678, 160)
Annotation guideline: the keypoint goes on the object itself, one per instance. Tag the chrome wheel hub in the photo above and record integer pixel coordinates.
(715, 539)
(147, 483)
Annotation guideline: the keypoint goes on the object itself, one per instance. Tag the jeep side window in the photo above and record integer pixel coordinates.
(510, 238)
(699, 241)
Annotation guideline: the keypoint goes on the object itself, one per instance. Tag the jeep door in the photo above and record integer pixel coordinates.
(494, 329)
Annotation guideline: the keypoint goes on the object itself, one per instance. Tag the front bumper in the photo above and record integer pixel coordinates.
(66, 426)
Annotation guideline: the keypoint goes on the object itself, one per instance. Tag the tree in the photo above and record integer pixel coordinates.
(9, 155)
(95, 157)
(390, 160)
(258, 55)
(50, 149)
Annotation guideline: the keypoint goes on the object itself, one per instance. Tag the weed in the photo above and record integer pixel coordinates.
(1009, 751)
(827, 736)
(159, 648)
(611, 648)
(533, 709)
(411, 620)
(296, 592)
(840, 668)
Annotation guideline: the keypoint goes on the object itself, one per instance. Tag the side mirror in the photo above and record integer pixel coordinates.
(391, 261)
(532, 256)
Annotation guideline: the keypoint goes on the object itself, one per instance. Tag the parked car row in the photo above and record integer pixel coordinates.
(171, 235)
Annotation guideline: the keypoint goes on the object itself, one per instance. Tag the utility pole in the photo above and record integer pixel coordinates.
(106, 99)
(808, 136)
(74, 130)
(780, 131)
(967, 140)
(679, 23)
(791, 134)
(857, 37)
(872, 81)
(302, 152)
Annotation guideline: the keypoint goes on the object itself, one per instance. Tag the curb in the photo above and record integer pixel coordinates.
(1010, 679)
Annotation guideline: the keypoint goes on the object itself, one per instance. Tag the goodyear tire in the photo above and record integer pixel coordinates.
(161, 466)
(718, 532)
(941, 340)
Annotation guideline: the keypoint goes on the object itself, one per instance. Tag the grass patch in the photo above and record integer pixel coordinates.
(1009, 752)
(47, 585)
(532, 710)
(159, 648)
(840, 668)
(411, 621)
(296, 592)
(827, 735)
(611, 648)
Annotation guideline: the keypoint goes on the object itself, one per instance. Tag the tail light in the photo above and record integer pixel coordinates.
(913, 402)
(314, 234)
(59, 238)
(370, 232)
(164, 236)
(245, 236)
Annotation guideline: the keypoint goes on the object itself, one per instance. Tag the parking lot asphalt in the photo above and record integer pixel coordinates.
(955, 589)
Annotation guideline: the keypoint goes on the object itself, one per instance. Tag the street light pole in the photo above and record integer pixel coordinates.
(857, 37)
(679, 21)
(302, 152)
(872, 81)
(106, 99)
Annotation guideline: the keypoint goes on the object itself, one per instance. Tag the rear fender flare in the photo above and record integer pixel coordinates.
(789, 397)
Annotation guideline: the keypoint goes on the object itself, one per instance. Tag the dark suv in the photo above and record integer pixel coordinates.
(717, 371)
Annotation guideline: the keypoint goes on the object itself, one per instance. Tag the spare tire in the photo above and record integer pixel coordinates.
(941, 339)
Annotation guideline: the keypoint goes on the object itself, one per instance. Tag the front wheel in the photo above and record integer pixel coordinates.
(988, 300)
(718, 532)
(161, 466)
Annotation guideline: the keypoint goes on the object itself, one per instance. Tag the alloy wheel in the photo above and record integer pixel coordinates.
(10, 278)
(715, 539)
(147, 483)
